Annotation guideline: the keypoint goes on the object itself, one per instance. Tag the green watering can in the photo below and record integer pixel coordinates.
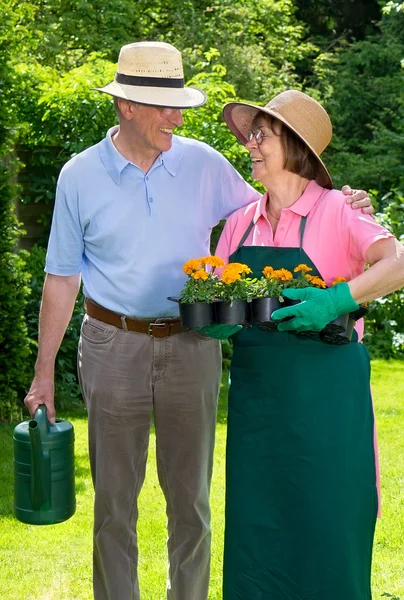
(44, 491)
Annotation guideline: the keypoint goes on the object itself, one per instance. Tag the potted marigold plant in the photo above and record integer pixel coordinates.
(199, 292)
(234, 291)
(339, 330)
(303, 279)
(268, 295)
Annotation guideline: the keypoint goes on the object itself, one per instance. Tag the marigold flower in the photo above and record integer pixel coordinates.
(239, 268)
(268, 272)
(338, 280)
(213, 261)
(191, 265)
(201, 274)
(282, 275)
(303, 268)
(316, 281)
(230, 277)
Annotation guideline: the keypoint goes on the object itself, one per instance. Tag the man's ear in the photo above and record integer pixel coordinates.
(126, 108)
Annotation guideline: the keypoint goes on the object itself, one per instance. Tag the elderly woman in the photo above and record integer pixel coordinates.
(301, 496)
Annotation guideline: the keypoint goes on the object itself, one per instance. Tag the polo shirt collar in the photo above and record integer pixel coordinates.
(302, 206)
(115, 163)
(172, 158)
(112, 160)
(308, 199)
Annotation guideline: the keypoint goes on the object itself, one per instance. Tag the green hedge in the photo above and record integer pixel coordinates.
(14, 342)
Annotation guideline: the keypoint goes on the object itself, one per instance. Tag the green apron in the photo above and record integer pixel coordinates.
(301, 497)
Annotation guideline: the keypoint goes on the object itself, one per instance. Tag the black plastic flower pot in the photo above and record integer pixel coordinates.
(360, 312)
(196, 314)
(262, 309)
(290, 302)
(339, 331)
(231, 313)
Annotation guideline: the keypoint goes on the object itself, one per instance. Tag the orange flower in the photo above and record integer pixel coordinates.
(201, 274)
(303, 268)
(233, 271)
(338, 280)
(282, 275)
(192, 265)
(213, 261)
(230, 276)
(316, 281)
(239, 268)
(268, 272)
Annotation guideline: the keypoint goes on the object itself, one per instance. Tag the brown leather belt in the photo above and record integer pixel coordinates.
(159, 327)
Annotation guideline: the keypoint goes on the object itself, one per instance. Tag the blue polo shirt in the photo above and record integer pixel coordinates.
(128, 232)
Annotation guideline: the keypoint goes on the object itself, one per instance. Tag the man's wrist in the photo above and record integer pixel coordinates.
(45, 369)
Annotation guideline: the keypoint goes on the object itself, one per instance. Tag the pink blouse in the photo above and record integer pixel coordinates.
(336, 237)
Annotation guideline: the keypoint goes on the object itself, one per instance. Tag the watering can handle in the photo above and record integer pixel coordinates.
(41, 418)
(38, 431)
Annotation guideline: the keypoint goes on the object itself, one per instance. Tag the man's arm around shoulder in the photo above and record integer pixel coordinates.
(58, 298)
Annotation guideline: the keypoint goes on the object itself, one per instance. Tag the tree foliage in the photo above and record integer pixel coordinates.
(349, 55)
(14, 343)
(370, 126)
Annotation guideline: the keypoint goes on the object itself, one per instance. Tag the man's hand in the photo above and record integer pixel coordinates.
(358, 199)
(41, 392)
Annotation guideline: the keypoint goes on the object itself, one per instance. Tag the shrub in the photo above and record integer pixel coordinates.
(14, 343)
(385, 322)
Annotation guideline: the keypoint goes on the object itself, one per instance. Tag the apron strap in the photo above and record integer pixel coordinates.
(251, 225)
(246, 234)
(302, 228)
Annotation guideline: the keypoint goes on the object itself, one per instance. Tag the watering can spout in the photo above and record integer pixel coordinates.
(40, 484)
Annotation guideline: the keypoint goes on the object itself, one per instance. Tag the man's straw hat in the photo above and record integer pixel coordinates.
(299, 112)
(152, 73)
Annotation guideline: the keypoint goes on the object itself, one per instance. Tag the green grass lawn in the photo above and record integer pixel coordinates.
(54, 562)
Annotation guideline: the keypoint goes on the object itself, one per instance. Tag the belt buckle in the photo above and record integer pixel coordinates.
(149, 329)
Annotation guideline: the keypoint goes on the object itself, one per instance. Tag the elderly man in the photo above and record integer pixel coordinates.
(129, 211)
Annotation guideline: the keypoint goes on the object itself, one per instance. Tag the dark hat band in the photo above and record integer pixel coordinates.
(149, 81)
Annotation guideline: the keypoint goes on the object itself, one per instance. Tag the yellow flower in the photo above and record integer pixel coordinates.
(239, 268)
(192, 265)
(268, 272)
(232, 272)
(282, 275)
(338, 280)
(303, 268)
(230, 277)
(316, 281)
(213, 261)
(201, 274)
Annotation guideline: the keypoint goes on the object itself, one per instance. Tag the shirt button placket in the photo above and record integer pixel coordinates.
(281, 231)
(149, 198)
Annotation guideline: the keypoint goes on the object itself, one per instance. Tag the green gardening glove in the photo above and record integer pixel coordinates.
(219, 332)
(316, 309)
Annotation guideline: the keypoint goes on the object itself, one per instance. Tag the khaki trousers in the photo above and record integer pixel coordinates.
(124, 377)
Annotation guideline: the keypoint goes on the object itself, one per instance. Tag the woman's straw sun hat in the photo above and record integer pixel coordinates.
(152, 73)
(299, 112)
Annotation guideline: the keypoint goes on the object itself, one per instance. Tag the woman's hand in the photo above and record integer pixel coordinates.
(316, 309)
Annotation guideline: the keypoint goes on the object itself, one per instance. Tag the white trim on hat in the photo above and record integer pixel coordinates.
(186, 97)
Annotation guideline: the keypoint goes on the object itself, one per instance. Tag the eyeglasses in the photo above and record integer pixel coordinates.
(259, 135)
(168, 112)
